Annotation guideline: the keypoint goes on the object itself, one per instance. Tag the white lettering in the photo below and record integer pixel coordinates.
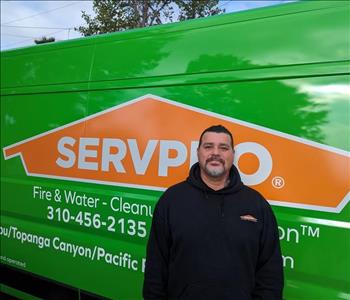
(194, 156)
(85, 153)
(141, 165)
(165, 161)
(61, 147)
(26, 237)
(172, 154)
(119, 205)
(288, 261)
(72, 249)
(116, 158)
(80, 200)
(122, 260)
(265, 162)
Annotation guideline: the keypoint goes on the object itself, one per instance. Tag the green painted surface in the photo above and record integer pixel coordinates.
(286, 68)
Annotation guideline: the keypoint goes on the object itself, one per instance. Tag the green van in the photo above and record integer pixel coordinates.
(93, 130)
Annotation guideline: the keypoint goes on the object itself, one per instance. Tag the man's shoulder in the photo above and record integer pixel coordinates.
(175, 189)
(172, 195)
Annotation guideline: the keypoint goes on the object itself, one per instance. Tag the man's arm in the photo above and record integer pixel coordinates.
(158, 248)
(269, 271)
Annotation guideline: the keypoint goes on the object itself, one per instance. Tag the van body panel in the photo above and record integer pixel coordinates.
(281, 72)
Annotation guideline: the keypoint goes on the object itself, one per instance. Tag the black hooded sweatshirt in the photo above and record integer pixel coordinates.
(207, 244)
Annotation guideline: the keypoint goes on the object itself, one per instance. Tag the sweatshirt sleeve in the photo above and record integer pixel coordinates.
(269, 270)
(157, 258)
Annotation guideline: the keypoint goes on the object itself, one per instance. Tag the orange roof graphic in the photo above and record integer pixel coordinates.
(150, 142)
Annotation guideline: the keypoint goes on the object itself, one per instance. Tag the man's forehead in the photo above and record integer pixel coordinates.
(216, 137)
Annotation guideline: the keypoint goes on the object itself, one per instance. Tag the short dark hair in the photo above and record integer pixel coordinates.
(217, 129)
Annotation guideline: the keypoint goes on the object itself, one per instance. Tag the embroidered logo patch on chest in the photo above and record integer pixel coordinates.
(249, 218)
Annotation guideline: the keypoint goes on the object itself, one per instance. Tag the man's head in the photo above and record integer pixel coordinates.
(215, 152)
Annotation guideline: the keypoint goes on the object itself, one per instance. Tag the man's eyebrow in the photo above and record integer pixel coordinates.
(220, 144)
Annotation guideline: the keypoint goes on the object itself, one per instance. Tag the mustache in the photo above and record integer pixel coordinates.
(215, 158)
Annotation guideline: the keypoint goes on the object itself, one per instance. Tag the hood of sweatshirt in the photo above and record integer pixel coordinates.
(234, 185)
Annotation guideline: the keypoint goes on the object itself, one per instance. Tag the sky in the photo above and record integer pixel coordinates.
(24, 21)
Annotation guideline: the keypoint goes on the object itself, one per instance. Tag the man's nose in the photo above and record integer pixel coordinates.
(215, 151)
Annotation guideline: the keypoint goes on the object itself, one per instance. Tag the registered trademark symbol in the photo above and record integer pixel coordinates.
(278, 182)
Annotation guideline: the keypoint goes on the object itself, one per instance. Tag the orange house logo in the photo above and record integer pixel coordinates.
(150, 142)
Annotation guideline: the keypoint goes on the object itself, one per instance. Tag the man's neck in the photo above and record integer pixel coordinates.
(215, 183)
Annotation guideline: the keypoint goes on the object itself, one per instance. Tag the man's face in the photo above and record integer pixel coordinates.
(215, 154)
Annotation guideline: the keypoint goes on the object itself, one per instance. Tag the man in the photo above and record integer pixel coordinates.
(213, 237)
